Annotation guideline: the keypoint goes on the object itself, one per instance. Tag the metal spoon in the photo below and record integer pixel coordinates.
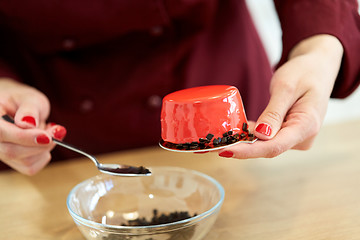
(113, 169)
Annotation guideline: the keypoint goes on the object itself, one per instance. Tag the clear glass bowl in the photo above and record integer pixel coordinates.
(100, 206)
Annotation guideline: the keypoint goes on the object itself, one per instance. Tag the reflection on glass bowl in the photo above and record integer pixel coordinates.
(147, 208)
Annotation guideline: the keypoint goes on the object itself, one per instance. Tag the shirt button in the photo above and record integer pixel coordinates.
(86, 105)
(156, 30)
(68, 44)
(154, 101)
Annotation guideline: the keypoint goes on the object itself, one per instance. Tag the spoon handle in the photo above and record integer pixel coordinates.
(8, 118)
(75, 149)
(61, 143)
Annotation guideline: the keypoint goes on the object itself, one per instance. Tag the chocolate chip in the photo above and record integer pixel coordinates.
(229, 137)
(237, 136)
(245, 127)
(187, 145)
(160, 219)
(179, 146)
(194, 145)
(209, 136)
(204, 140)
(224, 140)
(168, 144)
(217, 141)
(201, 145)
(131, 169)
(231, 140)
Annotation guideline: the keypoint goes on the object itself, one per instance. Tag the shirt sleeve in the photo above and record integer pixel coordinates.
(301, 19)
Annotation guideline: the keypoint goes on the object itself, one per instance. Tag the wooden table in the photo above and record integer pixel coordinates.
(306, 195)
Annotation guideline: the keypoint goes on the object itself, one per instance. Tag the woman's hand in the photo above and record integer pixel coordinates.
(300, 91)
(25, 146)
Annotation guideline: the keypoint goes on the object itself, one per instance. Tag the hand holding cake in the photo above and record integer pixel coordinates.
(213, 117)
(300, 92)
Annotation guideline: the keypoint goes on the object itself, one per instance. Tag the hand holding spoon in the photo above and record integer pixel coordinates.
(113, 169)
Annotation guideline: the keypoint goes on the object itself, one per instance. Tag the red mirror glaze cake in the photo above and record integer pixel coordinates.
(203, 117)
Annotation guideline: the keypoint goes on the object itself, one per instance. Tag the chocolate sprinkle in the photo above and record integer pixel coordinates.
(237, 136)
(157, 219)
(204, 140)
(217, 141)
(160, 219)
(245, 127)
(209, 136)
(130, 169)
(202, 145)
(227, 138)
(224, 140)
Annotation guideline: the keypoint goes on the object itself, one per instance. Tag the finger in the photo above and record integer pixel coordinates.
(15, 152)
(32, 111)
(251, 125)
(306, 145)
(270, 121)
(32, 164)
(260, 148)
(7, 106)
(2, 110)
(10, 133)
(297, 132)
(56, 131)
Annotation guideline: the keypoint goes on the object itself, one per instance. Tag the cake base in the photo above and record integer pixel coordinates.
(188, 148)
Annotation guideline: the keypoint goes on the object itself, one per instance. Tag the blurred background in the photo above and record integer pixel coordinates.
(267, 22)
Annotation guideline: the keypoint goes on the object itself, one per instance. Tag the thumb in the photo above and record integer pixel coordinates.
(270, 121)
(32, 111)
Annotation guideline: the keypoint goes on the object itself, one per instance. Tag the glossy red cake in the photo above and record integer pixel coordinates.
(203, 114)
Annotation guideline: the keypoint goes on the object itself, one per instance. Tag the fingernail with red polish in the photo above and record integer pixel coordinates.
(52, 124)
(29, 119)
(264, 128)
(59, 132)
(227, 154)
(42, 139)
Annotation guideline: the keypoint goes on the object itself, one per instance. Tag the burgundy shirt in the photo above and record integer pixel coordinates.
(106, 65)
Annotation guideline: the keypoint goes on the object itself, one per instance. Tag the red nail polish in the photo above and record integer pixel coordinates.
(264, 128)
(227, 154)
(42, 139)
(59, 132)
(52, 124)
(29, 119)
